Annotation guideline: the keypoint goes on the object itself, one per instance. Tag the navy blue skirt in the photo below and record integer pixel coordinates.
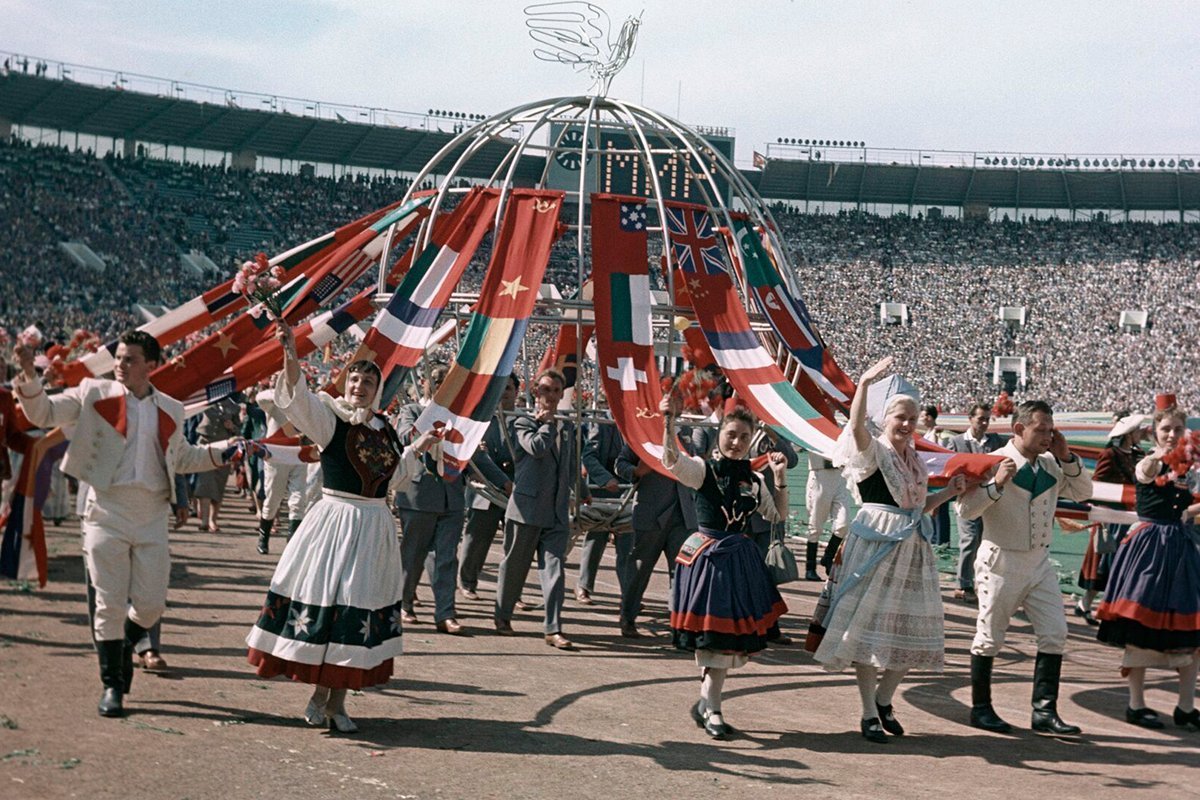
(1153, 594)
(723, 598)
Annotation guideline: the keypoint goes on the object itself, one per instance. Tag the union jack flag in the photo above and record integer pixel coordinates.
(693, 240)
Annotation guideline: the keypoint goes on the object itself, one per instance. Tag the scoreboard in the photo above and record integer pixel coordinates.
(612, 167)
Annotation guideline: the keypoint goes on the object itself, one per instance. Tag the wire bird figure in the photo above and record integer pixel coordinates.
(577, 33)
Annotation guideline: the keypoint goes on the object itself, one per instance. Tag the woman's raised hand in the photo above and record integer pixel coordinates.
(876, 371)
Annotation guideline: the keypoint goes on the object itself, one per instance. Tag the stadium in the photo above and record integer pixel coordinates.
(131, 201)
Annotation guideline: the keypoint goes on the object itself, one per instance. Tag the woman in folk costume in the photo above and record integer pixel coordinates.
(723, 601)
(885, 613)
(332, 615)
(1152, 604)
(1115, 465)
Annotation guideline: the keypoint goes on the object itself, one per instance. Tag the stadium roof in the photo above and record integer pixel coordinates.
(996, 187)
(113, 112)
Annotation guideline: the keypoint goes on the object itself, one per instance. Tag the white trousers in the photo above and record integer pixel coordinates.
(1006, 580)
(826, 497)
(290, 481)
(125, 545)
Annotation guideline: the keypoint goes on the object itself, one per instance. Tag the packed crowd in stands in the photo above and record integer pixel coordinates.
(1073, 278)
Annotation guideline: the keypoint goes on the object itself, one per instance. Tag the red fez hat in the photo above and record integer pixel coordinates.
(1164, 401)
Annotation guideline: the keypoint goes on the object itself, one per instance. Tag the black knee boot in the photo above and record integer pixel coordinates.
(133, 635)
(1046, 672)
(982, 713)
(831, 550)
(293, 524)
(111, 652)
(264, 535)
(810, 562)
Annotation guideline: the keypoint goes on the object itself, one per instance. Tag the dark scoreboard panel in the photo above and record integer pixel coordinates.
(611, 168)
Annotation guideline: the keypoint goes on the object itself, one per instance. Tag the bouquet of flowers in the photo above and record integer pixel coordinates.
(1182, 459)
(82, 342)
(258, 281)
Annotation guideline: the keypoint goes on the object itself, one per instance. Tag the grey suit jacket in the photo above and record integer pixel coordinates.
(544, 473)
(428, 490)
(658, 499)
(601, 447)
(991, 443)
(494, 460)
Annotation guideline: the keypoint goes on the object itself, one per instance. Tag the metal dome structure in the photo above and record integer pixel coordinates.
(581, 139)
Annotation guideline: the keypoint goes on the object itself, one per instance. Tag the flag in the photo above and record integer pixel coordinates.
(465, 401)
(1083, 512)
(625, 349)
(266, 358)
(736, 349)
(788, 316)
(23, 548)
(760, 161)
(564, 355)
(217, 303)
(402, 329)
(289, 451)
(693, 239)
(200, 368)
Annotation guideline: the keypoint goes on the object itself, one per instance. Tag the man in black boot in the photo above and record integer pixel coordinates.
(128, 446)
(810, 561)
(982, 713)
(112, 675)
(831, 551)
(264, 535)
(1012, 567)
(1046, 673)
(827, 498)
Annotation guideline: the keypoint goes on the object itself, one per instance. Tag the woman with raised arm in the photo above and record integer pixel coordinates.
(723, 601)
(1152, 604)
(885, 612)
(332, 615)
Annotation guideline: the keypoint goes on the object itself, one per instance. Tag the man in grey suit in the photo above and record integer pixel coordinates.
(976, 439)
(431, 520)
(601, 447)
(536, 520)
(494, 462)
(664, 515)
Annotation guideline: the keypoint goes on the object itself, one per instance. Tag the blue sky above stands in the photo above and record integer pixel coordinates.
(1071, 77)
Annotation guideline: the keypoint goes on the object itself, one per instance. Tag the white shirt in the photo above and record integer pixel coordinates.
(142, 461)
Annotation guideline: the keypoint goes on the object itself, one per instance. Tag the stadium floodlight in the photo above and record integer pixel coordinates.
(1152, 162)
(1143, 162)
(1172, 164)
(1004, 161)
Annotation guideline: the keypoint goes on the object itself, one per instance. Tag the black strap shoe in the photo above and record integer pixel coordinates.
(1143, 718)
(872, 730)
(1187, 719)
(888, 720)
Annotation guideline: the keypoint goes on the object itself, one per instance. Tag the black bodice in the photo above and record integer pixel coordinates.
(1163, 503)
(727, 498)
(874, 489)
(360, 459)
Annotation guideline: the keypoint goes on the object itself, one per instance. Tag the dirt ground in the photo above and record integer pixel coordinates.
(480, 716)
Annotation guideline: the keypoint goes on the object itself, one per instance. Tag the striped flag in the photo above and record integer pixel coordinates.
(289, 451)
(787, 315)
(465, 401)
(624, 346)
(23, 548)
(218, 302)
(572, 339)
(751, 371)
(402, 329)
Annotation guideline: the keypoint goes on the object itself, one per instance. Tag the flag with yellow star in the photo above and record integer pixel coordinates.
(464, 403)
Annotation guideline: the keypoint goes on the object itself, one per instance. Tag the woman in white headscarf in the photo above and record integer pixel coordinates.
(885, 613)
(332, 615)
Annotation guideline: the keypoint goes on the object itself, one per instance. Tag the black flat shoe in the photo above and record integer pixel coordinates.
(1143, 717)
(1080, 611)
(888, 720)
(872, 730)
(717, 730)
(698, 715)
(1187, 719)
